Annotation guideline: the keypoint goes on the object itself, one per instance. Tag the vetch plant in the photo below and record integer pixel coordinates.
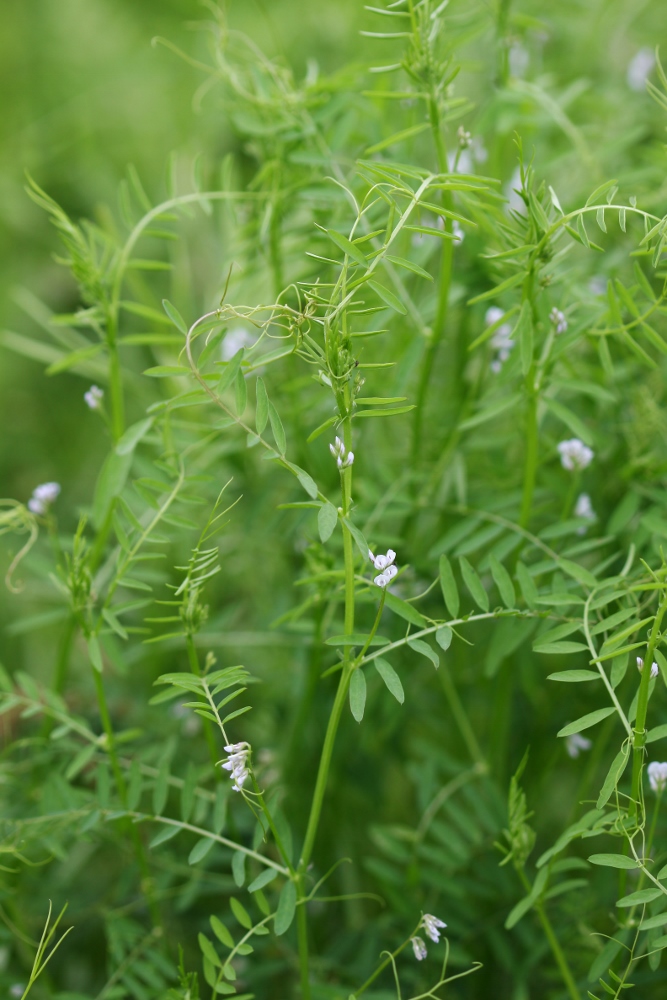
(225, 568)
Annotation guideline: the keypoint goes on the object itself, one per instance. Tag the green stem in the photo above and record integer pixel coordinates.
(115, 381)
(556, 949)
(461, 716)
(639, 730)
(302, 941)
(438, 330)
(208, 728)
(530, 467)
(503, 47)
(383, 965)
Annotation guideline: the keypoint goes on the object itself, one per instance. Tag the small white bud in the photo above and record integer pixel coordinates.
(657, 776)
(432, 925)
(655, 669)
(42, 497)
(94, 397)
(419, 948)
(558, 319)
(574, 454)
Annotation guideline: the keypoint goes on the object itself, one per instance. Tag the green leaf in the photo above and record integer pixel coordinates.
(167, 371)
(528, 588)
(474, 584)
(422, 647)
(240, 912)
(277, 428)
(262, 406)
(95, 653)
(200, 850)
(110, 483)
(657, 921)
(560, 648)
(578, 572)
(161, 787)
(391, 411)
(358, 694)
(657, 733)
(443, 637)
(390, 678)
(614, 775)
(503, 582)
(133, 435)
(231, 370)
(286, 908)
(641, 897)
(238, 868)
(574, 676)
(347, 247)
(361, 542)
(327, 519)
(403, 609)
(614, 861)
(571, 420)
(165, 834)
(221, 932)
(307, 481)
(208, 950)
(586, 721)
(263, 879)
(175, 317)
(240, 393)
(450, 591)
(409, 265)
(388, 296)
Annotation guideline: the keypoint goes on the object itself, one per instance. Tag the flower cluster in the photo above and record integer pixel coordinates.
(584, 509)
(42, 497)
(344, 458)
(657, 776)
(655, 669)
(237, 763)
(386, 566)
(574, 454)
(94, 397)
(502, 339)
(464, 137)
(432, 926)
(558, 319)
(576, 743)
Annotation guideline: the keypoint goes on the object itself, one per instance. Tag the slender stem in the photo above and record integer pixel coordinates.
(461, 716)
(115, 380)
(530, 466)
(639, 731)
(503, 47)
(208, 728)
(438, 330)
(383, 965)
(302, 941)
(556, 949)
(64, 650)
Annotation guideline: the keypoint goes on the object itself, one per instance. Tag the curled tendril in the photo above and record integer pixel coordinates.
(15, 517)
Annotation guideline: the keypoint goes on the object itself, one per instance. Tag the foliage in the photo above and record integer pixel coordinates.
(407, 312)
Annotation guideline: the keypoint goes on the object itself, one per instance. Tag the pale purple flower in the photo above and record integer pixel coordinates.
(42, 497)
(657, 776)
(419, 948)
(385, 563)
(558, 319)
(639, 68)
(433, 926)
(94, 397)
(655, 669)
(237, 764)
(575, 743)
(344, 458)
(574, 454)
(584, 509)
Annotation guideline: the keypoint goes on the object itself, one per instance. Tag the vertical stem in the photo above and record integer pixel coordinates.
(554, 944)
(503, 47)
(208, 729)
(64, 650)
(302, 941)
(115, 380)
(639, 731)
(440, 320)
(336, 711)
(530, 466)
(122, 794)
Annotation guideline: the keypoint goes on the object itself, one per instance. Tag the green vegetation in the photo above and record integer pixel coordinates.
(333, 660)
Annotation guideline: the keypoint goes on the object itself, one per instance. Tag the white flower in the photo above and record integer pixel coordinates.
(576, 743)
(344, 458)
(432, 925)
(657, 776)
(42, 497)
(574, 454)
(502, 337)
(639, 68)
(385, 563)
(464, 137)
(493, 314)
(459, 235)
(237, 764)
(558, 319)
(655, 669)
(235, 339)
(419, 948)
(584, 509)
(94, 397)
